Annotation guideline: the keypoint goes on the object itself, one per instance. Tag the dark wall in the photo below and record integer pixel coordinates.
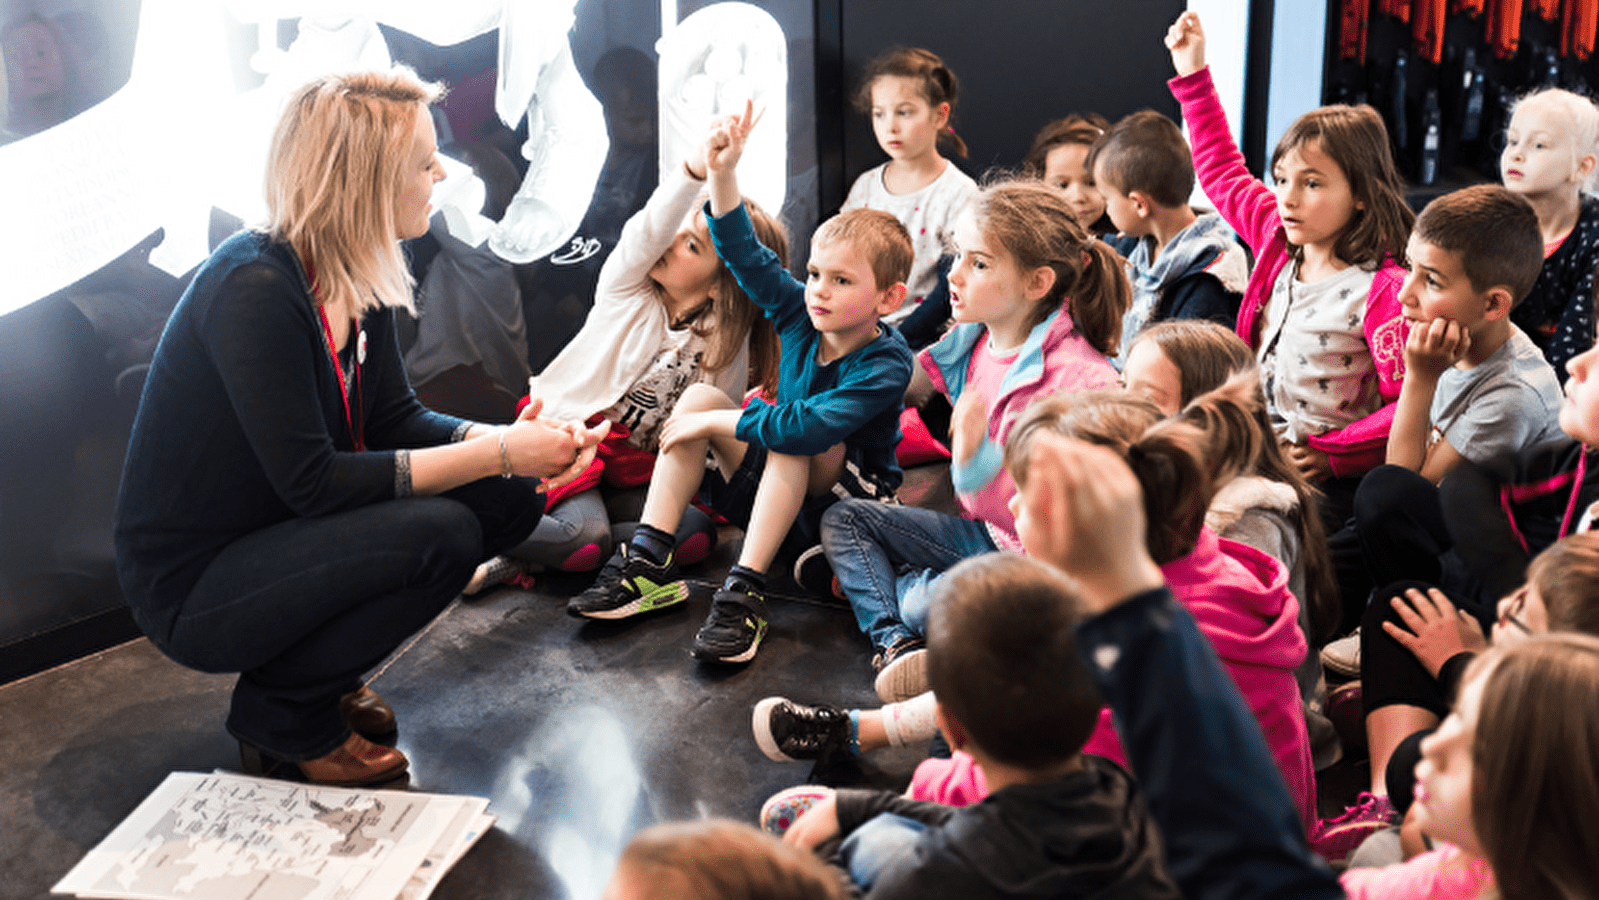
(1021, 63)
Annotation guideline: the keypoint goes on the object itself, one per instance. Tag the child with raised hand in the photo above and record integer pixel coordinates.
(1038, 304)
(1522, 805)
(667, 314)
(910, 95)
(1013, 693)
(1551, 149)
(1059, 157)
(1321, 308)
(834, 425)
(1269, 507)
(1183, 265)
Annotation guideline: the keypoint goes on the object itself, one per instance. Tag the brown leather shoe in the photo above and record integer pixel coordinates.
(368, 714)
(356, 763)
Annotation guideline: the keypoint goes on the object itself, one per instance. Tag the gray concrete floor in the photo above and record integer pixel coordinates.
(578, 733)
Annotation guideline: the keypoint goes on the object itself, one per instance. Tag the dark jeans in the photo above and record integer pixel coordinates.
(304, 608)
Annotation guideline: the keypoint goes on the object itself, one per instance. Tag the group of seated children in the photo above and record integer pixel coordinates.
(1222, 438)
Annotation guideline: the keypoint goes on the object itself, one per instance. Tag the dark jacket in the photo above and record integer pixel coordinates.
(1229, 826)
(242, 424)
(1087, 835)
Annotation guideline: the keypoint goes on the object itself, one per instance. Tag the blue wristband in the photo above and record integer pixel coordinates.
(972, 475)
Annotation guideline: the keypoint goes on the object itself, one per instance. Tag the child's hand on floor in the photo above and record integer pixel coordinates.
(1082, 510)
(1186, 41)
(815, 825)
(1434, 629)
(1434, 346)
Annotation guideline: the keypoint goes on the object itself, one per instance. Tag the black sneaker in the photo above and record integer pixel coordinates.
(734, 630)
(814, 574)
(627, 586)
(788, 732)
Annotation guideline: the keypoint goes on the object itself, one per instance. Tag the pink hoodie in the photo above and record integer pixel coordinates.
(1241, 600)
(1250, 207)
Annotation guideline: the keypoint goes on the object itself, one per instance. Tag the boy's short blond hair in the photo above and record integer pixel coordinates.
(879, 237)
(720, 859)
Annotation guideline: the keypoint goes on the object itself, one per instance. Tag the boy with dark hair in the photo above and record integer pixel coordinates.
(1475, 385)
(832, 431)
(1012, 691)
(1182, 265)
(1476, 389)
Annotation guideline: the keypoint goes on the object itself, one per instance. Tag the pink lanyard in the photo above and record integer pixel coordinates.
(351, 414)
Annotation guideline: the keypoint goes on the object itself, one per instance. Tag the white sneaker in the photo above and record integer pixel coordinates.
(1343, 655)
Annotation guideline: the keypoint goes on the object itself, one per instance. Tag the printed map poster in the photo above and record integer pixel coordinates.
(223, 837)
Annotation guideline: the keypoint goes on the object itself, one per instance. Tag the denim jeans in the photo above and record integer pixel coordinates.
(302, 609)
(870, 848)
(886, 558)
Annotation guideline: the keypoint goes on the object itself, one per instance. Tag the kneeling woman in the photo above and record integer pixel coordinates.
(289, 510)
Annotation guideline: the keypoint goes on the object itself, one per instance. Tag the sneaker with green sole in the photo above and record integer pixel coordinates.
(629, 586)
(734, 630)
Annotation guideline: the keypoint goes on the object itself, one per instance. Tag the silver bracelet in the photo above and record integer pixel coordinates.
(505, 456)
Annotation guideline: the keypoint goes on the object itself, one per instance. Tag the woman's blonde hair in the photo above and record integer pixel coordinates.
(333, 181)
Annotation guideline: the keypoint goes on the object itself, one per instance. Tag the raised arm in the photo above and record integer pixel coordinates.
(1230, 826)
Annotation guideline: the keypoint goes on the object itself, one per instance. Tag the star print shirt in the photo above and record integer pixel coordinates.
(928, 214)
(1318, 371)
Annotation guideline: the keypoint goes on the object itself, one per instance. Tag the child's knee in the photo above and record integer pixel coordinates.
(701, 396)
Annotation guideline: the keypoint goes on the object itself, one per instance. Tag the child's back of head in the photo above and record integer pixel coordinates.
(719, 859)
(1002, 660)
(1145, 152)
(1493, 232)
(1179, 462)
(1566, 577)
(879, 237)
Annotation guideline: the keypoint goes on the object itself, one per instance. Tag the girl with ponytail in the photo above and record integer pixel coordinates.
(1038, 305)
(910, 96)
(1238, 594)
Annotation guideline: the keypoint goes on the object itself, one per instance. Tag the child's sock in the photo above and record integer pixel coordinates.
(652, 543)
(855, 732)
(747, 580)
(910, 721)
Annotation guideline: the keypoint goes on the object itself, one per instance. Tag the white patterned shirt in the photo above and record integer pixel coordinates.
(928, 214)
(1314, 361)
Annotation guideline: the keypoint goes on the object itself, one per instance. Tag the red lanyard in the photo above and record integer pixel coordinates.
(351, 414)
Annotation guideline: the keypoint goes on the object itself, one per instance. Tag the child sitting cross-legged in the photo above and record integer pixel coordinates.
(1013, 691)
(834, 426)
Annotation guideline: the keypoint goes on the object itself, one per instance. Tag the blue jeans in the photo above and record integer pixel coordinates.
(870, 848)
(304, 608)
(886, 558)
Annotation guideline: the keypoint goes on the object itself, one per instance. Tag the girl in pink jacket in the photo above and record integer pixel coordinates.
(1238, 594)
(1321, 308)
